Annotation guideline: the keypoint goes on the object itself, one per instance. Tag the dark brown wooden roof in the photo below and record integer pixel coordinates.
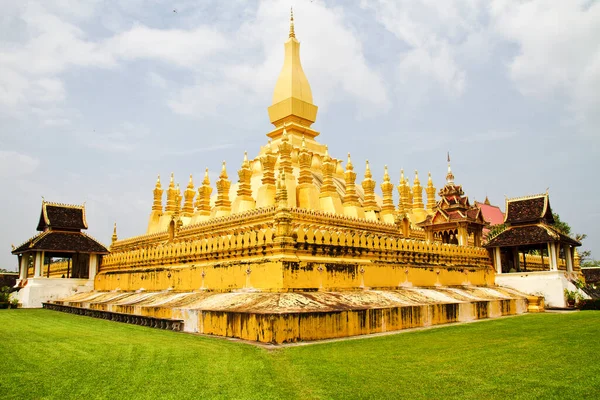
(529, 209)
(591, 275)
(62, 217)
(65, 242)
(525, 235)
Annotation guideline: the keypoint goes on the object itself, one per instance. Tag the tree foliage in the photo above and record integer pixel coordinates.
(495, 230)
(565, 228)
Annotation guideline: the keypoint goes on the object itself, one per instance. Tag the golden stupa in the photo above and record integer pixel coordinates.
(297, 249)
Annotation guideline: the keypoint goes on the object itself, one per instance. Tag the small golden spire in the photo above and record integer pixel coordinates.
(284, 134)
(449, 175)
(204, 192)
(326, 157)
(368, 184)
(190, 183)
(387, 189)
(292, 33)
(157, 203)
(486, 201)
(245, 163)
(223, 171)
(114, 235)
(431, 204)
(402, 179)
(303, 143)
(172, 181)
(349, 165)
(416, 181)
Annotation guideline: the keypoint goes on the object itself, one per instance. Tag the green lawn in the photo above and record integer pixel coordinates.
(46, 354)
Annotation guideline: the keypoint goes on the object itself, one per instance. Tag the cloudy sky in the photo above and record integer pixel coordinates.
(98, 97)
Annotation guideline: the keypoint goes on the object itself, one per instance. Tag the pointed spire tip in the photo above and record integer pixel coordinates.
(292, 33)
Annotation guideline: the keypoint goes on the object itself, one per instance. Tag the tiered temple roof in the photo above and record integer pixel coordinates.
(530, 223)
(62, 216)
(61, 226)
(454, 218)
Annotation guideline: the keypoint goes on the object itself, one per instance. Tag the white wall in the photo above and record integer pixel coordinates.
(41, 290)
(550, 284)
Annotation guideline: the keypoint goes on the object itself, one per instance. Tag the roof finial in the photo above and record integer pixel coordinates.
(223, 171)
(292, 33)
(206, 180)
(449, 175)
(367, 170)
(114, 237)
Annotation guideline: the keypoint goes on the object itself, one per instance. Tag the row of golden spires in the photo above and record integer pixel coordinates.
(410, 198)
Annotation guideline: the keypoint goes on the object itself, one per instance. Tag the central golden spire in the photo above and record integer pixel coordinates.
(292, 97)
(292, 33)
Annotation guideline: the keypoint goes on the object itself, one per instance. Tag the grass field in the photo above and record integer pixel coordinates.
(46, 354)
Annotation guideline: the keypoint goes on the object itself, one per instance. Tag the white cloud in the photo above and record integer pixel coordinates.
(205, 98)
(437, 63)
(14, 164)
(559, 51)
(439, 35)
(184, 48)
(249, 58)
(331, 53)
(126, 138)
(157, 80)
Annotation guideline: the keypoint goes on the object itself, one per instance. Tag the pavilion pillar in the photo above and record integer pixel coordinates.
(37, 264)
(477, 238)
(516, 260)
(552, 256)
(429, 235)
(497, 260)
(568, 258)
(93, 266)
(24, 265)
(463, 236)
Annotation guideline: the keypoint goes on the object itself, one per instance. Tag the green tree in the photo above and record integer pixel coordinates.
(495, 230)
(591, 264)
(565, 228)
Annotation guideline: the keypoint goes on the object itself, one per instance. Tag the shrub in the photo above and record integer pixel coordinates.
(4, 293)
(589, 304)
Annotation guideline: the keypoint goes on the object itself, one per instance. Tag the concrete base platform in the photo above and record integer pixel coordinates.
(302, 316)
(35, 291)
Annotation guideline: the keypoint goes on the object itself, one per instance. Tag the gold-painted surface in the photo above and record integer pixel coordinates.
(292, 97)
(295, 316)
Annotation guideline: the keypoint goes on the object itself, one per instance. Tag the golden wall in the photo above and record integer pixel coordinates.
(298, 250)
